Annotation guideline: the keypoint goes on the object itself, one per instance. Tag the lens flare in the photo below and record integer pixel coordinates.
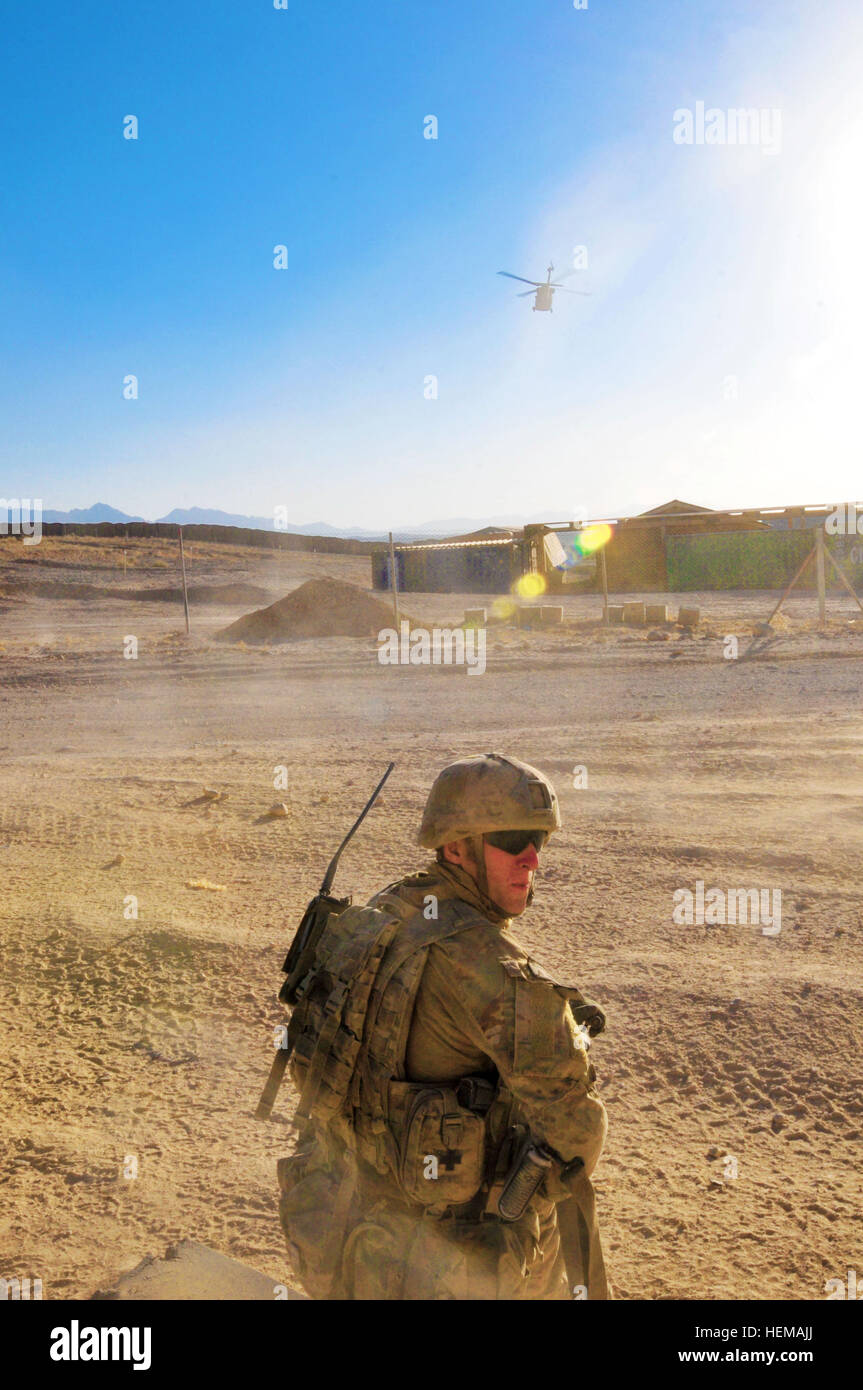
(502, 608)
(530, 585)
(593, 538)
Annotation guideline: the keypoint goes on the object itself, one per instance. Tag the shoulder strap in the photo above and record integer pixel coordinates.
(456, 916)
(388, 1021)
(416, 935)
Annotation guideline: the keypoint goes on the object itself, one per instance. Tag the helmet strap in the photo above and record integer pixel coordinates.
(477, 849)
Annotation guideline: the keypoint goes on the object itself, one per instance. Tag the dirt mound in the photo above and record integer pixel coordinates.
(318, 608)
(192, 1271)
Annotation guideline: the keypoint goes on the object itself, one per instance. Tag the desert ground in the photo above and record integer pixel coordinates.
(732, 1063)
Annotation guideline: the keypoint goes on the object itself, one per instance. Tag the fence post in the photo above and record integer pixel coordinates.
(185, 590)
(819, 569)
(394, 583)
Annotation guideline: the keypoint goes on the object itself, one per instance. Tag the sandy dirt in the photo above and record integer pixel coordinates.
(149, 1039)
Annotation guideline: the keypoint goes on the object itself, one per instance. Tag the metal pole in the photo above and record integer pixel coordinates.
(819, 569)
(394, 582)
(753, 648)
(603, 569)
(789, 587)
(835, 563)
(185, 590)
(124, 564)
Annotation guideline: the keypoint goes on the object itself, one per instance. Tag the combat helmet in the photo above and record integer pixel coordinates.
(485, 793)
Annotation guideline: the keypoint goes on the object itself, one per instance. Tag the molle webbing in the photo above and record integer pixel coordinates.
(389, 1019)
(332, 1002)
(353, 1010)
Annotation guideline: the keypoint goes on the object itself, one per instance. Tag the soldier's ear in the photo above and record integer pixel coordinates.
(458, 852)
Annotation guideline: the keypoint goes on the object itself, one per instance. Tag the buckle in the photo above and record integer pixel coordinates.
(451, 1130)
(336, 999)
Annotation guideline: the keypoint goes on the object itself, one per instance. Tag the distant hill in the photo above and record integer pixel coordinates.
(212, 516)
(89, 516)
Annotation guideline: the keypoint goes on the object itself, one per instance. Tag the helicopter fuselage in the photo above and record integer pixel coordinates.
(544, 296)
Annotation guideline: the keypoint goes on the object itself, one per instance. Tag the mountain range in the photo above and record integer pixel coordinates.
(209, 516)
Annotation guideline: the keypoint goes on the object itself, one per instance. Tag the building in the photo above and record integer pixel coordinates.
(671, 548)
(489, 562)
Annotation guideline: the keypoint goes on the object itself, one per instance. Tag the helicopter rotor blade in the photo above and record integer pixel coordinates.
(587, 293)
(525, 293)
(521, 278)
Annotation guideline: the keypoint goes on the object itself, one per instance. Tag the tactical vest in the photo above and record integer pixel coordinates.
(349, 1027)
(348, 1034)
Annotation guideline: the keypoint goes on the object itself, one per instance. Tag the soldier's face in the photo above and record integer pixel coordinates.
(510, 877)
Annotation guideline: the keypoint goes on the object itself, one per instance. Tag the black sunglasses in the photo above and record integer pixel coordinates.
(516, 841)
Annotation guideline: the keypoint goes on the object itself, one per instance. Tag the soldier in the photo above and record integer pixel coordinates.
(462, 1128)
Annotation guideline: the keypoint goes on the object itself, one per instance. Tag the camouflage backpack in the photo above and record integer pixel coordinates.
(352, 975)
(329, 997)
(336, 948)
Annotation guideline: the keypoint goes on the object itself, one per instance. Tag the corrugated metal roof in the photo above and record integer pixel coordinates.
(451, 545)
(707, 519)
(708, 515)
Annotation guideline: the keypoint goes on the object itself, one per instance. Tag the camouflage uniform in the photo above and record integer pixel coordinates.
(483, 1006)
(405, 999)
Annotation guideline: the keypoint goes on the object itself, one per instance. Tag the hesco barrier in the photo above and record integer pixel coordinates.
(231, 535)
(756, 560)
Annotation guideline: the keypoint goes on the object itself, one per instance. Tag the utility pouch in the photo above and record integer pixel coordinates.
(301, 954)
(476, 1093)
(442, 1145)
(316, 1186)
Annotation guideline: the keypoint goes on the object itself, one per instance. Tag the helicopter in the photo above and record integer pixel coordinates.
(544, 290)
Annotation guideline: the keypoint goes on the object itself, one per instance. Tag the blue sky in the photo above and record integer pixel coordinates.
(717, 358)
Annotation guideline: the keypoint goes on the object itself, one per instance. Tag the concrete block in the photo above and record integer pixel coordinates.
(528, 616)
(475, 617)
(550, 615)
(615, 612)
(689, 617)
(656, 613)
(633, 614)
